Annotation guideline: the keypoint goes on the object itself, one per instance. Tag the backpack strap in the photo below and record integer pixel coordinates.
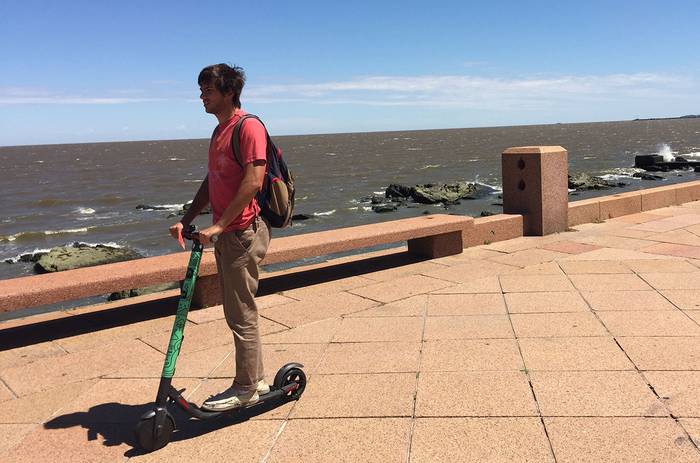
(236, 137)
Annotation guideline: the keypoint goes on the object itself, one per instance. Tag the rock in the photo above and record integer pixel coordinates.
(398, 191)
(646, 160)
(186, 206)
(486, 213)
(300, 217)
(660, 168)
(376, 200)
(646, 176)
(447, 194)
(583, 181)
(146, 207)
(141, 291)
(82, 255)
(385, 208)
(443, 193)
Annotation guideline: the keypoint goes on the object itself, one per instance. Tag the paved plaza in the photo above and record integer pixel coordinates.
(581, 346)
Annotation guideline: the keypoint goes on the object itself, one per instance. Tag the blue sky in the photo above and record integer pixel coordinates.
(84, 71)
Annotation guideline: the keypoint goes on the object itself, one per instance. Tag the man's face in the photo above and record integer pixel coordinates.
(214, 101)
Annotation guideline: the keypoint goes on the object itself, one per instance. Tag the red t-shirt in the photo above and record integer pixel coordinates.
(226, 175)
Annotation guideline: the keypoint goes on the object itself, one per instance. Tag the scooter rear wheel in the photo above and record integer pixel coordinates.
(151, 438)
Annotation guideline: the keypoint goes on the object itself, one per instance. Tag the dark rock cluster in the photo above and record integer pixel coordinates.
(397, 195)
(583, 181)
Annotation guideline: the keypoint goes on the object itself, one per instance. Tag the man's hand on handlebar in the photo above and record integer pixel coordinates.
(176, 232)
(210, 234)
(180, 231)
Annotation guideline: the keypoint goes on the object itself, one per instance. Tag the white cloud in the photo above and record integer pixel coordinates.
(32, 96)
(436, 91)
(476, 92)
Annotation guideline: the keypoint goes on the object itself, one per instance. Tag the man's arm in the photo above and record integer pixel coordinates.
(253, 176)
(200, 201)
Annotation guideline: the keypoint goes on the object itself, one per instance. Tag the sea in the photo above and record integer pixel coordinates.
(129, 193)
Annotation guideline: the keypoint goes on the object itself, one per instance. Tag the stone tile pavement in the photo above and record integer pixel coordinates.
(579, 346)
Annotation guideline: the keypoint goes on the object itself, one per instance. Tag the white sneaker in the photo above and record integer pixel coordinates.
(262, 387)
(229, 399)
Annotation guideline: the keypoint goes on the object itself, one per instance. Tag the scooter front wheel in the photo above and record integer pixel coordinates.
(153, 436)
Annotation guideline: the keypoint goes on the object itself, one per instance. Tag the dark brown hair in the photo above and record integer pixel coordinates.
(225, 79)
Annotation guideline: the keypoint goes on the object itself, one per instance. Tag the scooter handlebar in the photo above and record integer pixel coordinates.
(190, 232)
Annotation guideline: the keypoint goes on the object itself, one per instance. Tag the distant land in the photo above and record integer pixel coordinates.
(689, 116)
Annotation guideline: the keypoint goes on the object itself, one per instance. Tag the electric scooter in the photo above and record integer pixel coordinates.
(156, 426)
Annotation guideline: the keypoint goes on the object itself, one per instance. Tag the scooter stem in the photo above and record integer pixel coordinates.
(177, 334)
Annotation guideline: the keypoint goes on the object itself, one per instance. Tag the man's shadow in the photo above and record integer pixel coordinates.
(116, 422)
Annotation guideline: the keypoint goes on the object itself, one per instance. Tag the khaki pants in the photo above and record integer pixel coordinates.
(238, 255)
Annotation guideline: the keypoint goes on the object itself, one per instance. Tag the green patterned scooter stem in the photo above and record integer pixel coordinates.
(183, 308)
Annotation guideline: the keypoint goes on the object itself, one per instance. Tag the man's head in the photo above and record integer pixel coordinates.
(225, 79)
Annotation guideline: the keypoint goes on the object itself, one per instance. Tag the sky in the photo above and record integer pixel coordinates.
(94, 71)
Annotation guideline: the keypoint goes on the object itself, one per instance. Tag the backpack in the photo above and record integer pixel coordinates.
(276, 198)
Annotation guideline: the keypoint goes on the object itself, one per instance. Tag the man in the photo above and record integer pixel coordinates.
(240, 235)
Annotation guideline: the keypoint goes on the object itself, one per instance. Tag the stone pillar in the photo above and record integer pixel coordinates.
(535, 185)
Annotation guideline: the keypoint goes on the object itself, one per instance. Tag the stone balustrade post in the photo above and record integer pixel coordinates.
(535, 185)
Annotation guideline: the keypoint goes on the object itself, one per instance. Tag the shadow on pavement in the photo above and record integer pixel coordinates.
(116, 422)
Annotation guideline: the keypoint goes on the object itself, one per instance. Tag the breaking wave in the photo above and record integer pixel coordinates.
(26, 236)
(326, 213)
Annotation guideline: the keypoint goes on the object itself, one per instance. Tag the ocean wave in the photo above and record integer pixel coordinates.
(66, 231)
(414, 149)
(159, 207)
(109, 200)
(629, 171)
(326, 213)
(26, 236)
(665, 150)
(48, 202)
(615, 177)
(33, 256)
(85, 210)
(331, 154)
(109, 244)
(177, 159)
(430, 166)
(30, 256)
(497, 189)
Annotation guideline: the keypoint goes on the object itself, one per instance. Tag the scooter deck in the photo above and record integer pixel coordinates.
(193, 410)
